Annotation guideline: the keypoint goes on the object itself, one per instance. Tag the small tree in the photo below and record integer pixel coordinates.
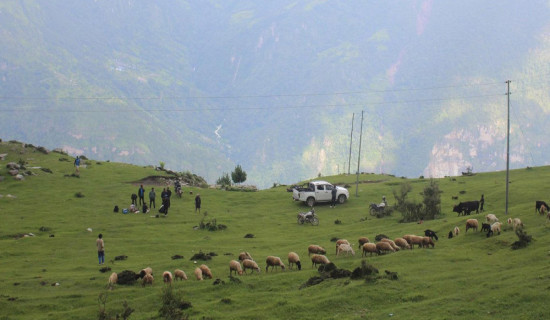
(224, 180)
(238, 176)
(401, 197)
(432, 200)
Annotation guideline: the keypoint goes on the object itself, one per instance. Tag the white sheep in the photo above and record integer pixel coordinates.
(272, 261)
(167, 277)
(515, 223)
(345, 247)
(293, 258)
(180, 274)
(113, 279)
(315, 249)
(495, 227)
(339, 242)
(250, 264)
(206, 271)
(491, 218)
(370, 248)
(198, 273)
(319, 259)
(235, 265)
(456, 231)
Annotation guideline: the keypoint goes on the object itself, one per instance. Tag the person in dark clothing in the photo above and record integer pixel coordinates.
(198, 203)
(481, 203)
(333, 203)
(152, 196)
(165, 205)
(145, 209)
(134, 199)
(141, 195)
(168, 195)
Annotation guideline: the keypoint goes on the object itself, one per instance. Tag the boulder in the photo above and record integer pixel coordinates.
(13, 165)
(13, 172)
(19, 177)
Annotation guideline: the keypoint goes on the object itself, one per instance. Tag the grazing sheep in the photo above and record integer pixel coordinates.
(315, 249)
(431, 234)
(319, 259)
(369, 247)
(245, 255)
(206, 273)
(293, 258)
(180, 274)
(416, 240)
(339, 242)
(167, 277)
(145, 271)
(362, 241)
(384, 246)
(471, 224)
(407, 237)
(485, 227)
(491, 218)
(250, 264)
(402, 243)
(515, 223)
(345, 247)
(495, 227)
(272, 261)
(113, 279)
(456, 231)
(235, 265)
(198, 273)
(392, 244)
(427, 242)
(147, 279)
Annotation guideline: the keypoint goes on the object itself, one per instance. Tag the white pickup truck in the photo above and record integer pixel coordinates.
(319, 191)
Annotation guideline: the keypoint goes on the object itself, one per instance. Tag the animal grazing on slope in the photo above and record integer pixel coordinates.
(539, 204)
(319, 259)
(402, 243)
(391, 242)
(180, 274)
(235, 265)
(147, 279)
(206, 273)
(362, 241)
(250, 264)
(315, 249)
(427, 242)
(339, 242)
(495, 227)
(383, 246)
(491, 218)
(456, 231)
(273, 262)
(293, 258)
(471, 224)
(485, 227)
(465, 208)
(244, 255)
(431, 234)
(167, 277)
(113, 279)
(345, 247)
(515, 223)
(198, 273)
(369, 247)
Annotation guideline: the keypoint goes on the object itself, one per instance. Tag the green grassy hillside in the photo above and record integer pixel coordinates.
(468, 277)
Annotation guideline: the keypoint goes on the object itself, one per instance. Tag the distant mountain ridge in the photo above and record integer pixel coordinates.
(204, 86)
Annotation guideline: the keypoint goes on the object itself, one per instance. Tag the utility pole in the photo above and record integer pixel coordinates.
(359, 157)
(507, 145)
(350, 141)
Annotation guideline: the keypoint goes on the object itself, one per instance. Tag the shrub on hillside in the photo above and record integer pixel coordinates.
(523, 240)
(173, 304)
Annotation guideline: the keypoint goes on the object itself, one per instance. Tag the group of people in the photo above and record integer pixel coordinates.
(139, 200)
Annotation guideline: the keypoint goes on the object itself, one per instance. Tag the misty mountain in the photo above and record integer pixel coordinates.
(206, 85)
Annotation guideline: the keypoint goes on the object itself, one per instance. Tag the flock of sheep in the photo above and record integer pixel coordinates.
(317, 253)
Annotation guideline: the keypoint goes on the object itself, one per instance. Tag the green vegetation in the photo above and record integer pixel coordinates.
(238, 175)
(467, 277)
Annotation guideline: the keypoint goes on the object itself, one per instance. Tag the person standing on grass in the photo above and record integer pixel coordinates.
(77, 164)
(100, 249)
(152, 196)
(198, 203)
(333, 204)
(141, 194)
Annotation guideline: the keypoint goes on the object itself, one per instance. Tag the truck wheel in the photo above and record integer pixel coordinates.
(341, 199)
(310, 201)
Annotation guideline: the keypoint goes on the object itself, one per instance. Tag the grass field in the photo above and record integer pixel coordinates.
(467, 277)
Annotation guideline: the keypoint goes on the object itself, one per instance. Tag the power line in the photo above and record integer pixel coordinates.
(248, 96)
(72, 110)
